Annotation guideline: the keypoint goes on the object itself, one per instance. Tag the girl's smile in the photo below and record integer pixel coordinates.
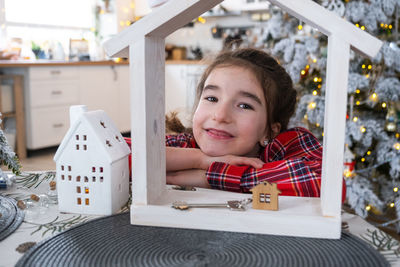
(230, 118)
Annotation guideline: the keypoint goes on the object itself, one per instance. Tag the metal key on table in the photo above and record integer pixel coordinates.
(239, 205)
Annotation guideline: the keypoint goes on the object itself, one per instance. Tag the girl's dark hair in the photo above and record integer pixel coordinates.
(280, 97)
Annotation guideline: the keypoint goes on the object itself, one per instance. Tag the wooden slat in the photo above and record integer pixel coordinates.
(147, 72)
(337, 73)
(20, 115)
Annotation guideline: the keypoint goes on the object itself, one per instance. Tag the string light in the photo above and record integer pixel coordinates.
(369, 67)
(368, 207)
(317, 124)
(357, 25)
(374, 96)
(358, 91)
(300, 27)
(312, 105)
(320, 79)
(201, 20)
(391, 205)
(319, 86)
(362, 129)
(384, 105)
(308, 66)
(322, 133)
(362, 159)
(369, 152)
(397, 146)
(347, 174)
(395, 189)
(366, 75)
(363, 28)
(305, 117)
(314, 60)
(358, 102)
(316, 79)
(390, 26)
(355, 119)
(303, 72)
(127, 23)
(363, 66)
(397, 135)
(315, 92)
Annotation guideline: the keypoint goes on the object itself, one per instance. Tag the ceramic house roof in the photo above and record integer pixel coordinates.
(108, 138)
(177, 13)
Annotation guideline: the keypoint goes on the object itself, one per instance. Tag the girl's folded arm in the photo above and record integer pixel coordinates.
(295, 177)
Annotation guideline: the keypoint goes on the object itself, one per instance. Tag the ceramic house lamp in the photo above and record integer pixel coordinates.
(92, 165)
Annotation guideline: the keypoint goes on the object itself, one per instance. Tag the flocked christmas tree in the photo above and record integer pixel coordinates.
(8, 158)
(372, 151)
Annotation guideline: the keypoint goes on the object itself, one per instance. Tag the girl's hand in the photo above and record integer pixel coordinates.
(192, 177)
(234, 160)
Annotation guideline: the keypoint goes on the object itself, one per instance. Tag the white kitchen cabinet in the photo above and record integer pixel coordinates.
(48, 94)
(124, 112)
(99, 89)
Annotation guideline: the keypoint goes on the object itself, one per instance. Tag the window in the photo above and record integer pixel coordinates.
(71, 13)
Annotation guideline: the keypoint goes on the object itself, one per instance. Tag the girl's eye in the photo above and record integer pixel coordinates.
(245, 106)
(211, 98)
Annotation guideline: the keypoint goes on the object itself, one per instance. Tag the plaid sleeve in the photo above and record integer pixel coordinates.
(180, 140)
(293, 161)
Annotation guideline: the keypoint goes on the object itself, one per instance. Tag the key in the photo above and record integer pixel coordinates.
(239, 205)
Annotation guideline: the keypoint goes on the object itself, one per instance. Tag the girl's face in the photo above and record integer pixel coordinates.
(231, 116)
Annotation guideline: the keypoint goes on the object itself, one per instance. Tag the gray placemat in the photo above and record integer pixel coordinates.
(113, 241)
(11, 216)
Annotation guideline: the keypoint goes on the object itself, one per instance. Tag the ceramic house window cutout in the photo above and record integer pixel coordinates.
(144, 43)
(265, 196)
(76, 192)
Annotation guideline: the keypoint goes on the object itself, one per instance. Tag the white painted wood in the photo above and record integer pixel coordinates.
(163, 21)
(147, 64)
(151, 202)
(124, 99)
(337, 71)
(330, 23)
(295, 217)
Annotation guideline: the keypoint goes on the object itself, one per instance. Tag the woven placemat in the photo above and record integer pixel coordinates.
(11, 216)
(113, 241)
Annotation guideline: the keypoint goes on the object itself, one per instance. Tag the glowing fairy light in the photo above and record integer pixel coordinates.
(355, 119)
(363, 66)
(358, 102)
(369, 152)
(395, 189)
(397, 146)
(303, 72)
(384, 105)
(362, 129)
(312, 105)
(300, 27)
(368, 207)
(358, 91)
(317, 124)
(391, 205)
(362, 159)
(363, 28)
(314, 60)
(315, 92)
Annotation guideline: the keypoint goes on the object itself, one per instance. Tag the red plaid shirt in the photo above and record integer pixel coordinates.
(293, 160)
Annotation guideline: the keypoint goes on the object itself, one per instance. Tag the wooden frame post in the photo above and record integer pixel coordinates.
(336, 92)
(147, 83)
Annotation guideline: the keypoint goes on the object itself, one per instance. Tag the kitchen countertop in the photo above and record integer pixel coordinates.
(35, 63)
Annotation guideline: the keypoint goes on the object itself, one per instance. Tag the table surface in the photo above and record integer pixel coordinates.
(43, 222)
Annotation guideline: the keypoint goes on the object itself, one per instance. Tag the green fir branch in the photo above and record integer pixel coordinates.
(29, 180)
(57, 225)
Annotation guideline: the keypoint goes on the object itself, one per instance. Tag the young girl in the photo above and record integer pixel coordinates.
(240, 138)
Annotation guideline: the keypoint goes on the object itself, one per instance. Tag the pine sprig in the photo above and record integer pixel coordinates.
(60, 225)
(29, 180)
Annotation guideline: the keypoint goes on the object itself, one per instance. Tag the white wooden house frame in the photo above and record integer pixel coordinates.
(144, 43)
